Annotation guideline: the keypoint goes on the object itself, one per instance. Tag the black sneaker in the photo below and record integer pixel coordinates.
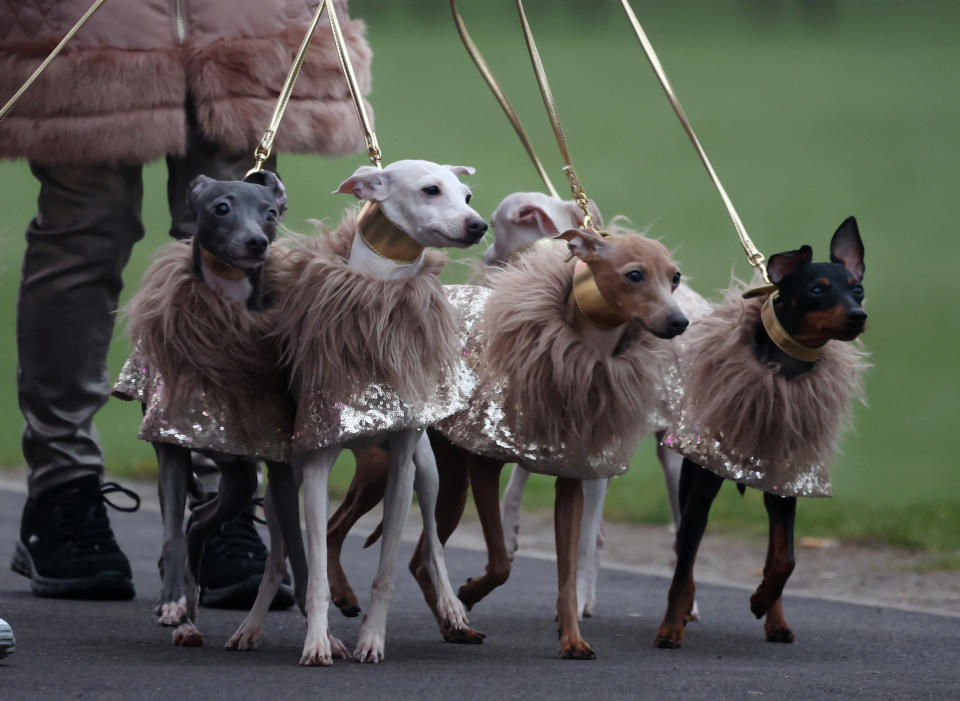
(66, 546)
(232, 567)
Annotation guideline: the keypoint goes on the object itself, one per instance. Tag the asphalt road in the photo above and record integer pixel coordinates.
(81, 649)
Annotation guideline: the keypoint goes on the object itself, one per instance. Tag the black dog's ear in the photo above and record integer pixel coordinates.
(272, 182)
(782, 264)
(846, 247)
(196, 188)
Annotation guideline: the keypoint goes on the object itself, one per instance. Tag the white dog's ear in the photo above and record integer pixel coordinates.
(461, 170)
(367, 183)
(584, 244)
(532, 215)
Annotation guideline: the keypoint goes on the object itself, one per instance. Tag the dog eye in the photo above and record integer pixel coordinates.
(469, 197)
(676, 278)
(431, 190)
(857, 291)
(222, 209)
(271, 215)
(634, 276)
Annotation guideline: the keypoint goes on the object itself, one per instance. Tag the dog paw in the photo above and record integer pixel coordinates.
(669, 637)
(187, 635)
(452, 612)
(369, 647)
(337, 649)
(246, 638)
(172, 613)
(462, 636)
(317, 653)
(781, 635)
(578, 649)
(694, 614)
(348, 607)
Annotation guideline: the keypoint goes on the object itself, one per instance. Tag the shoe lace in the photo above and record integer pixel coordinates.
(83, 522)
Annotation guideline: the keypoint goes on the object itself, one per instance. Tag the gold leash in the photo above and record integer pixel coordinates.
(579, 195)
(754, 256)
(262, 152)
(52, 55)
(498, 93)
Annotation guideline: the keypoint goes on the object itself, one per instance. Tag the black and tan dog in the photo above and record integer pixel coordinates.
(767, 391)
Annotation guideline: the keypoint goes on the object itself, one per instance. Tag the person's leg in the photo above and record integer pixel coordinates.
(87, 222)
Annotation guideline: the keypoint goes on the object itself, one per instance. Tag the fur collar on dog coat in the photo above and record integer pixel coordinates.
(366, 355)
(205, 367)
(745, 421)
(544, 398)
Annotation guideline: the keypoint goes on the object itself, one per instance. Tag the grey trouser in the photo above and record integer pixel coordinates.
(88, 219)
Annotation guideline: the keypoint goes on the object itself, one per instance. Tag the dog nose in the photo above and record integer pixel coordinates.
(857, 316)
(476, 227)
(677, 323)
(257, 244)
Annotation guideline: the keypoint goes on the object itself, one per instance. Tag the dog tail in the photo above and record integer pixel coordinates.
(741, 488)
(375, 536)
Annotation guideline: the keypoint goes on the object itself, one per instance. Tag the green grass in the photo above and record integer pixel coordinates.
(806, 122)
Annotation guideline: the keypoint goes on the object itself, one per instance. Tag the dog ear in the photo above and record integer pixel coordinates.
(195, 190)
(272, 182)
(577, 213)
(532, 215)
(461, 170)
(846, 247)
(367, 183)
(782, 264)
(583, 243)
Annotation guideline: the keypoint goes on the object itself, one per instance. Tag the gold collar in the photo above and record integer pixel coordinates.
(784, 341)
(221, 269)
(385, 238)
(591, 303)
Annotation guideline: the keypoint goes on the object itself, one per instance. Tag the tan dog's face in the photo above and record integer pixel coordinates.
(636, 275)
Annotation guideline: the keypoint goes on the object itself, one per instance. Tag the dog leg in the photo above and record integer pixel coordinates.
(588, 558)
(396, 506)
(238, 484)
(366, 491)
(284, 491)
(777, 569)
(485, 481)
(698, 488)
(512, 498)
(672, 463)
(174, 472)
(567, 514)
(248, 634)
(319, 647)
(448, 609)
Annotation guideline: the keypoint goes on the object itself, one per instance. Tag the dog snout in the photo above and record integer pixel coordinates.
(257, 244)
(676, 324)
(476, 228)
(857, 317)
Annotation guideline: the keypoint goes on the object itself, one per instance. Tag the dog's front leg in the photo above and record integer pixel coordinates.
(396, 505)
(447, 608)
(250, 631)
(567, 514)
(672, 464)
(173, 474)
(510, 513)
(777, 569)
(320, 647)
(588, 558)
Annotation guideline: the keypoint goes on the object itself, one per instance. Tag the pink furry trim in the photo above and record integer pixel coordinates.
(236, 83)
(757, 413)
(344, 331)
(559, 390)
(98, 105)
(195, 337)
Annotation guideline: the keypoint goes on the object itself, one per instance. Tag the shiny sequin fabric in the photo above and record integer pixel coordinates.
(744, 421)
(379, 409)
(253, 426)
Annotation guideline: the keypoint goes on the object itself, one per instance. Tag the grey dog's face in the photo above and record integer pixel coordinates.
(236, 220)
